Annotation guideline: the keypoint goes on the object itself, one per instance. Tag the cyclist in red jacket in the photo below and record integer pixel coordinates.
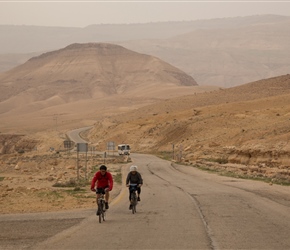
(102, 182)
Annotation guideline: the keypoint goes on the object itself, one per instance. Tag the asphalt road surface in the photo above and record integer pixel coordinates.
(74, 135)
(181, 208)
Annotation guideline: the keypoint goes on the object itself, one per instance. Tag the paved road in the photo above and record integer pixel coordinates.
(74, 135)
(181, 208)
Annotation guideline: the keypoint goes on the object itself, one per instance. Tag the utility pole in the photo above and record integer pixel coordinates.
(55, 119)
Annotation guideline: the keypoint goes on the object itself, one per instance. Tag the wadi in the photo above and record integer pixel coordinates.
(128, 97)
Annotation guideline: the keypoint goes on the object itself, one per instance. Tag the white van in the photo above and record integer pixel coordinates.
(124, 149)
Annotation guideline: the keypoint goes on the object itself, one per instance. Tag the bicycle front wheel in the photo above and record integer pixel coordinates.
(103, 215)
(100, 218)
(134, 202)
(100, 212)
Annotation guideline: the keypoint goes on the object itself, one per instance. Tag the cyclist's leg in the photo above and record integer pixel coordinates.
(139, 192)
(97, 197)
(107, 196)
(130, 197)
(130, 194)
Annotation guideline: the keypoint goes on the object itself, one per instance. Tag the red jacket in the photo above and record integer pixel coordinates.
(102, 181)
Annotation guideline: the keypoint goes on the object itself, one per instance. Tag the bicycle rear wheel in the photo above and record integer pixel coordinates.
(134, 202)
(100, 217)
(103, 212)
(100, 211)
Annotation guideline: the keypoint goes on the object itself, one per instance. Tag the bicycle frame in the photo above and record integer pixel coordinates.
(101, 208)
(134, 200)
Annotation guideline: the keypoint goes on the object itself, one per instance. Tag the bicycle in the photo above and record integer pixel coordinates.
(101, 212)
(134, 200)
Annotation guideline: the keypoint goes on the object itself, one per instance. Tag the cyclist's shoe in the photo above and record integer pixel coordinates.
(130, 207)
(106, 205)
(138, 199)
(98, 212)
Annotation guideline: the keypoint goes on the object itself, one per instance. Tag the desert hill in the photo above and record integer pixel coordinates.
(84, 79)
(82, 71)
(248, 124)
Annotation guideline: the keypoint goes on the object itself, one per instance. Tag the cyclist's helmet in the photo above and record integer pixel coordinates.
(103, 167)
(133, 168)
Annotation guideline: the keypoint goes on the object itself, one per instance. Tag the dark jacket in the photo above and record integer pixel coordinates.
(134, 178)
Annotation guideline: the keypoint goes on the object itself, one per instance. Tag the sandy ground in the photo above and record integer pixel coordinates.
(48, 182)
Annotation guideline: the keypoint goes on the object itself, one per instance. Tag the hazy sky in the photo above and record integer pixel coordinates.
(83, 13)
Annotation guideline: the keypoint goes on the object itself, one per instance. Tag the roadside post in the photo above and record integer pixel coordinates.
(105, 156)
(111, 146)
(67, 145)
(82, 147)
(180, 152)
(93, 149)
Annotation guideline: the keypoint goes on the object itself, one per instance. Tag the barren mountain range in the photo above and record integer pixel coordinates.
(222, 52)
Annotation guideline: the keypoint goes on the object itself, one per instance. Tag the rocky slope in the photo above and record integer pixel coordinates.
(246, 125)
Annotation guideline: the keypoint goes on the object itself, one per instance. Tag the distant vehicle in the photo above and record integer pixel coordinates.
(124, 149)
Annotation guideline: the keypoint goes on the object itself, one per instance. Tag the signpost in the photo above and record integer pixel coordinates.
(111, 146)
(68, 145)
(82, 147)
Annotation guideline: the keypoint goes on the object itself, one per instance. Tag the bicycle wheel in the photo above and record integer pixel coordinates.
(103, 210)
(134, 202)
(100, 216)
(100, 210)
(103, 215)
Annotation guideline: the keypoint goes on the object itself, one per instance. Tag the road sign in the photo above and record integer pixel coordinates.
(67, 144)
(82, 147)
(110, 145)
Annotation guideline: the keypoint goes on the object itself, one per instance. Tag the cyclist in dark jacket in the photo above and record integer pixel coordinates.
(134, 177)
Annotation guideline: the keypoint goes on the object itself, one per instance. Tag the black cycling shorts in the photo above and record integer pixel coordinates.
(101, 190)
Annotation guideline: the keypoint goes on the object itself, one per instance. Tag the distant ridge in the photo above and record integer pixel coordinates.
(222, 52)
(253, 91)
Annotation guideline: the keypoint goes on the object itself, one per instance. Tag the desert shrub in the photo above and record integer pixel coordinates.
(220, 160)
(166, 155)
(118, 178)
(72, 183)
